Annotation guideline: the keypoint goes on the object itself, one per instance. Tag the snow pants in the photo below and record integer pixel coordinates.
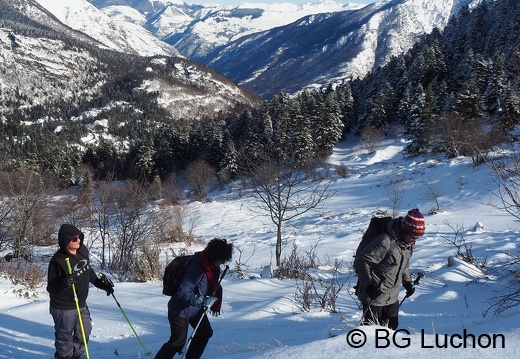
(179, 334)
(67, 330)
(383, 315)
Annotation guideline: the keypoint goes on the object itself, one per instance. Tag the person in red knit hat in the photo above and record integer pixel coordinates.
(384, 265)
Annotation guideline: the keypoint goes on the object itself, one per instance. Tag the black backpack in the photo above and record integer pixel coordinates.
(172, 274)
(376, 226)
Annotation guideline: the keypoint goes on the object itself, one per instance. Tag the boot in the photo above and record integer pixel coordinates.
(166, 352)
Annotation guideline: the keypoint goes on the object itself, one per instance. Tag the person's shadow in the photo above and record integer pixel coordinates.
(20, 338)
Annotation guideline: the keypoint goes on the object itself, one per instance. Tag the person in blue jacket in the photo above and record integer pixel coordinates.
(69, 342)
(199, 289)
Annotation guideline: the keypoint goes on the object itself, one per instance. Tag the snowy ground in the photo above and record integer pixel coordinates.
(260, 319)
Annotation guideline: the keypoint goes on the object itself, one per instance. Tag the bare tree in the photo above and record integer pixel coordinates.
(285, 192)
(394, 190)
(432, 192)
(464, 249)
(27, 211)
(461, 136)
(506, 171)
(199, 174)
(370, 136)
(103, 210)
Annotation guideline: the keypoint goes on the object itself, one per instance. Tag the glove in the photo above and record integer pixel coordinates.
(410, 289)
(205, 301)
(109, 289)
(69, 280)
(373, 292)
(105, 284)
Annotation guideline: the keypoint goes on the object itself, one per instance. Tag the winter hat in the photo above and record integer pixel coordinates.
(67, 233)
(413, 223)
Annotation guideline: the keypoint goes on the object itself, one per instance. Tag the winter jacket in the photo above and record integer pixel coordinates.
(384, 262)
(194, 283)
(61, 294)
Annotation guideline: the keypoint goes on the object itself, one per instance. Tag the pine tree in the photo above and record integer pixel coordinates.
(328, 126)
(300, 145)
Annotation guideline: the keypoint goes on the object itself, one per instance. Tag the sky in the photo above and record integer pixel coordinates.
(449, 316)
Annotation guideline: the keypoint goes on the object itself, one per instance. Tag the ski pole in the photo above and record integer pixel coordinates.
(79, 311)
(415, 282)
(107, 280)
(365, 311)
(185, 350)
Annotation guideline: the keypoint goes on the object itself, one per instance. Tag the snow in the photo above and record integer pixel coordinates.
(447, 317)
(114, 33)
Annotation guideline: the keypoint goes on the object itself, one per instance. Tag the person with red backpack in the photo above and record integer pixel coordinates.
(382, 266)
(198, 291)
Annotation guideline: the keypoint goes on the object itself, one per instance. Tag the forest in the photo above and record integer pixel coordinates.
(454, 92)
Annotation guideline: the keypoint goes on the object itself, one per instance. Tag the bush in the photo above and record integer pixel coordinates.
(23, 272)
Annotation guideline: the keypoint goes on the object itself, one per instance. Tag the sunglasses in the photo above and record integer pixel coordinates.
(75, 239)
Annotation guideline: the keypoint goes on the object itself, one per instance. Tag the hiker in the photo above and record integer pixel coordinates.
(71, 334)
(199, 290)
(383, 265)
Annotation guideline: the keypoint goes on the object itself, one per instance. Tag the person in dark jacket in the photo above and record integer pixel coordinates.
(69, 341)
(199, 290)
(384, 265)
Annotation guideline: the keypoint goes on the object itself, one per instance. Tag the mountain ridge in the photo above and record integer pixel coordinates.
(240, 42)
(47, 65)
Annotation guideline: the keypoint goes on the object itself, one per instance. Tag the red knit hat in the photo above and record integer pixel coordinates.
(413, 223)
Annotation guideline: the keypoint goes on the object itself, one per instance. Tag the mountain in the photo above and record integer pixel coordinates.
(329, 47)
(197, 29)
(272, 48)
(117, 35)
(51, 70)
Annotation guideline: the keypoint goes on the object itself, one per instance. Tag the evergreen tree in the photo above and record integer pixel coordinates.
(300, 145)
(328, 126)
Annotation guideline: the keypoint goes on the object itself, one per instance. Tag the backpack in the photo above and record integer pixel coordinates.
(376, 226)
(173, 273)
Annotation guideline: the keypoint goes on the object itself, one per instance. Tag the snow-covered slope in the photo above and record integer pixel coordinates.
(218, 26)
(261, 317)
(117, 35)
(197, 29)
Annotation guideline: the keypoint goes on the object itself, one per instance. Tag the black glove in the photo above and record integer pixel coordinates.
(69, 280)
(410, 289)
(107, 288)
(373, 292)
(106, 284)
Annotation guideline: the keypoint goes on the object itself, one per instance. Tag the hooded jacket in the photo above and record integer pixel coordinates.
(61, 295)
(194, 283)
(385, 263)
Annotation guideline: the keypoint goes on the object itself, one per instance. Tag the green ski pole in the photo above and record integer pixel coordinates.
(106, 280)
(79, 311)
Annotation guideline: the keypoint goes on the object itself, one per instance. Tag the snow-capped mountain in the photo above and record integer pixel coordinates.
(196, 30)
(272, 48)
(115, 34)
(329, 47)
(48, 65)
